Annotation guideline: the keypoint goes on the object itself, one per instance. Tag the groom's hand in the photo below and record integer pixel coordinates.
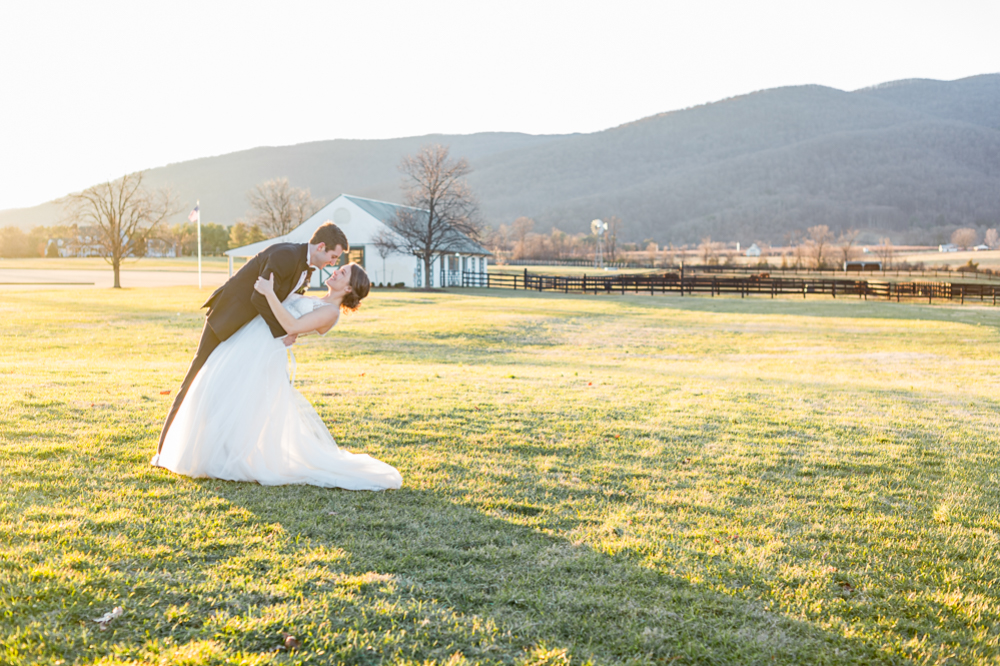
(289, 339)
(265, 286)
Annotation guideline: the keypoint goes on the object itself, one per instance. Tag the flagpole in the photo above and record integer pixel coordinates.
(198, 208)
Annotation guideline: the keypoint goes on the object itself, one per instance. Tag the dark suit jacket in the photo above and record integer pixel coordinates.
(237, 302)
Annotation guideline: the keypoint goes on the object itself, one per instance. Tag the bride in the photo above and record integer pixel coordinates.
(242, 420)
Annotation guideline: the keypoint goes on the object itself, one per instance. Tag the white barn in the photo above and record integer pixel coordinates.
(362, 219)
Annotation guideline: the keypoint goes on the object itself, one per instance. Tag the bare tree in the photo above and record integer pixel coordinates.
(500, 242)
(521, 228)
(611, 238)
(964, 238)
(992, 239)
(885, 252)
(385, 243)
(820, 240)
(276, 207)
(560, 243)
(442, 212)
(14, 243)
(651, 251)
(846, 245)
(709, 251)
(122, 212)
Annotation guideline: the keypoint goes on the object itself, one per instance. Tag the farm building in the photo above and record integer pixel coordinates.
(362, 220)
(863, 265)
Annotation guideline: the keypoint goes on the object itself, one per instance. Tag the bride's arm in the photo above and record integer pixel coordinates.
(321, 319)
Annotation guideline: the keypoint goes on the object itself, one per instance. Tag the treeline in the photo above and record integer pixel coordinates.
(276, 208)
(815, 247)
(181, 239)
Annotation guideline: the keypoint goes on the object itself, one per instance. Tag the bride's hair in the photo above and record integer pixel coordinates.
(360, 286)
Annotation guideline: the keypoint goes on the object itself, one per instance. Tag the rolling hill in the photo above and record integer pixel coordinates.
(909, 159)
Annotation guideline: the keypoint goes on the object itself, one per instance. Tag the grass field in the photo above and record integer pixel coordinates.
(586, 479)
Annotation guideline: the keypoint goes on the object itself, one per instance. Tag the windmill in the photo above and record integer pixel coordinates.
(599, 228)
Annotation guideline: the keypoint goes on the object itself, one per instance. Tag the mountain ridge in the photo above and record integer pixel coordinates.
(912, 159)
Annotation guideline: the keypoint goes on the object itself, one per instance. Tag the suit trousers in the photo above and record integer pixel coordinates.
(209, 341)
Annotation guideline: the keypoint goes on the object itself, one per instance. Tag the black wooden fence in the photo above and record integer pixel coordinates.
(753, 285)
(692, 269)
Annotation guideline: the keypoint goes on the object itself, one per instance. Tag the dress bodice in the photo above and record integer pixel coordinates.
(300, 305)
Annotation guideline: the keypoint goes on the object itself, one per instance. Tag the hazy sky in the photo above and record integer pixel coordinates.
(90, 90)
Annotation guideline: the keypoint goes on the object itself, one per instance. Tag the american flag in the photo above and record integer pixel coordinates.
(194, 215)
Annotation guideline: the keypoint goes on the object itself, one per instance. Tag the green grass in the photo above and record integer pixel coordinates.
(613, 480)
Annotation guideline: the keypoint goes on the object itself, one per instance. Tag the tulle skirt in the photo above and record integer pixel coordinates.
(242, 420)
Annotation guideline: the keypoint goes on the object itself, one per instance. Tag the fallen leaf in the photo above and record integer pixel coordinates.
(331, 513)
(291, 642)
(109, 617)
(167, 392)
(590, 383)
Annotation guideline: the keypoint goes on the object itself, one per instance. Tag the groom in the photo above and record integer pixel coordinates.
(236, 302)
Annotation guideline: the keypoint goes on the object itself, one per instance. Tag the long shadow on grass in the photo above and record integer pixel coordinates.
(461, 581)
(212, 569)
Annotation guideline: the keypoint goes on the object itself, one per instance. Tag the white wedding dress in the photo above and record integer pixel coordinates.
(242, 420)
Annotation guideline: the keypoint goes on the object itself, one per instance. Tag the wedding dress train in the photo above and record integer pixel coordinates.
(242, 420)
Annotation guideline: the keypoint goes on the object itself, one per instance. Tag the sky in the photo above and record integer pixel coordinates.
(92, 90)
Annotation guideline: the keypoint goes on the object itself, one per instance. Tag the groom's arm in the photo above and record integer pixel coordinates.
(281, 265)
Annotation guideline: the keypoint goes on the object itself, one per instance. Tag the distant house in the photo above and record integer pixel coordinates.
(86, 243)
(948, 247)
(362, 220)
(753, 251)
(981, 246)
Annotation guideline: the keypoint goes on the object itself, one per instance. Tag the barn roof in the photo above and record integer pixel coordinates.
(383, 211)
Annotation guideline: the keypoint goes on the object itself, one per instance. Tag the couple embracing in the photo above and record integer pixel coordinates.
(236, 415)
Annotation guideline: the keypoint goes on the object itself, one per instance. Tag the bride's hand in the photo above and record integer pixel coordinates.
(265, 286)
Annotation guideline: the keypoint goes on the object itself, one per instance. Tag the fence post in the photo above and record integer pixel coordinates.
(584, 283)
